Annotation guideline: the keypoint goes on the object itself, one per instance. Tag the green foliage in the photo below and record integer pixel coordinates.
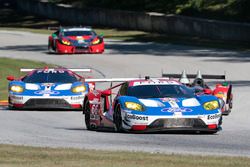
(230, 10)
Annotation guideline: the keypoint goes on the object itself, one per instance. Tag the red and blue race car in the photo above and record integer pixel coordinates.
(157, 104)
(48, 88)
(75, 40)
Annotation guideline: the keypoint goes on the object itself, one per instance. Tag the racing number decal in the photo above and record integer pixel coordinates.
(95, 112)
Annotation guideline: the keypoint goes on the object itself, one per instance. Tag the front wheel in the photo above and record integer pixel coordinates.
(87, 115)
(118, 118)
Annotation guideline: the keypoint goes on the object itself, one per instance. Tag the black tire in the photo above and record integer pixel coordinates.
(220, 121)
(118, 119)
(209, 132)
(87, 115)
(10, 106)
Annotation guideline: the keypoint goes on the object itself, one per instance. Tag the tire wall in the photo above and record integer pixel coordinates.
(150, 22)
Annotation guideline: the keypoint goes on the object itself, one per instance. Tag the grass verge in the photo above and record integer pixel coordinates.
(23, 156)
(12, 67)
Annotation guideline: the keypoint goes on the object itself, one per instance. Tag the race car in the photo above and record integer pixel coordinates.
(149, 105)
(75, 40)
(48, 88)
(221, 90)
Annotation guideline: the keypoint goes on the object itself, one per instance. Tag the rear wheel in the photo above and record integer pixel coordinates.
(118, 118)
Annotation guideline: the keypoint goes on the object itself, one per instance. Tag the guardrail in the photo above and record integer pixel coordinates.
(151, 22)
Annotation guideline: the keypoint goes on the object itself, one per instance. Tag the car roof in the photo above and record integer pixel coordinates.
(77, 29)
(140, 82)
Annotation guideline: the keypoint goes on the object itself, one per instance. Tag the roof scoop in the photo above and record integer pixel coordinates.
(198, 75)
(198, 81)
(184, 79)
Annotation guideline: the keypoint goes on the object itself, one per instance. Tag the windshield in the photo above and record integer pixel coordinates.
(40, 76)
(78, 33)
(160, 91)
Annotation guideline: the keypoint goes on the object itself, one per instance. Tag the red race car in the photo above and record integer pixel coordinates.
(222, 90)
(75, 40)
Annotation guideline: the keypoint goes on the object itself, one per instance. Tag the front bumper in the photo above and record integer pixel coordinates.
(172, 123)
(65, 49)
(39, 102)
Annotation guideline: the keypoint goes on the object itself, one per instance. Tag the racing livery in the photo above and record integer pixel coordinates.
(152, 105)
(48, 88)
(221, 90)
(75, 40)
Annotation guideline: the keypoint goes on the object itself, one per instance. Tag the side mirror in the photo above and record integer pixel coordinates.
(107, 92)
(101, 35)
(10, 78)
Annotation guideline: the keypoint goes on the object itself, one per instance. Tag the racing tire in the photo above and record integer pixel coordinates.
(56, 50)
(10, 107)
(87, 115)
(50, 50)
(209, 132)
(118, 119)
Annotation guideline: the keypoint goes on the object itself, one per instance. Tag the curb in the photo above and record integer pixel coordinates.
(3, 102)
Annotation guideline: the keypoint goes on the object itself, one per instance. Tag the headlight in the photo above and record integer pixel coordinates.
(133, 106)
(65, 42)
(16, 88)
(212, 105)
(96, 41)
(78, 89)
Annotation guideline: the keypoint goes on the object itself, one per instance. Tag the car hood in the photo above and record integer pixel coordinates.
(51, 89)
(172, 106)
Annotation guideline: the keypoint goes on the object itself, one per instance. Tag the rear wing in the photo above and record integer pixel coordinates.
(204, 76)
(51, 69)
(70, 27)
(121, 80)
(110, 79)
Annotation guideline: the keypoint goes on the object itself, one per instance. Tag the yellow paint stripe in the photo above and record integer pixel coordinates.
(3, 102)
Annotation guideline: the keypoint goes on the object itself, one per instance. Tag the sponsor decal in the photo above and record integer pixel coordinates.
(155, 82)
(50, 71)
(17, 97)
(47, 92)
(137, 117)
(173, 110)
(215, 116)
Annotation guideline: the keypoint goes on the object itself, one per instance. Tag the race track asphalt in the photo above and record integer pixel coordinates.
(130, 59)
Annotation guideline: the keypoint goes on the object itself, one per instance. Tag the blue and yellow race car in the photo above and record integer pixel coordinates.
(48, 88)
(152, 105)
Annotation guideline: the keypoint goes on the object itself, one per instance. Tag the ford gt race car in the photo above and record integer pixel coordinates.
(75, 40)
(221, 90)
(48, 88)
(152, 105)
